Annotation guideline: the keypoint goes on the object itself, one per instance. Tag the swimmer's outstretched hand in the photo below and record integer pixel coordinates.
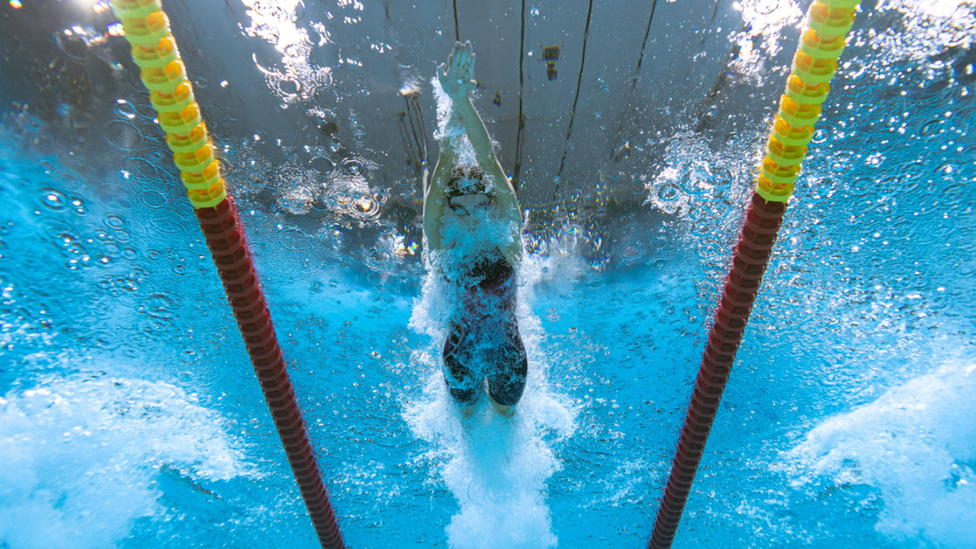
(457, 75)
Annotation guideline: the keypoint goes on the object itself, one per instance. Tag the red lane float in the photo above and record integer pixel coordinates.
(751, 255)
(225, 239)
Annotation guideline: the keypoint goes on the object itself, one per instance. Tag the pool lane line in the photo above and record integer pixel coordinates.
(457, 31)
(814, 66)
(154, 50)
(572, 116)
(615, 148)
(640, 60)
(521, 118)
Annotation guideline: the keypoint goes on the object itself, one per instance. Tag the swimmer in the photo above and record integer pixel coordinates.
(480, 262)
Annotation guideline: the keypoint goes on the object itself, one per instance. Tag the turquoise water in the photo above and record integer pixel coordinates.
(130, 417)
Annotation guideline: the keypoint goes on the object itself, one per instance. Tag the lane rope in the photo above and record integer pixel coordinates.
(814, 66)
(154, 50)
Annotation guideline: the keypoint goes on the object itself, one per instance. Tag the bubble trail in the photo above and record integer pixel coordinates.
(495, 467)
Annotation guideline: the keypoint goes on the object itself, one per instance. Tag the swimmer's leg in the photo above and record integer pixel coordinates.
(507, 381)
(461, 382)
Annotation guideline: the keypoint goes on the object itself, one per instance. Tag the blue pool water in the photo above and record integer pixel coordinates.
(130, 416)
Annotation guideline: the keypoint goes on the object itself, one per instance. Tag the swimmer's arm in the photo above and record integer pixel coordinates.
(433, 211)
(484, 152)
(457, 80)
(504, 198)
(436, 196)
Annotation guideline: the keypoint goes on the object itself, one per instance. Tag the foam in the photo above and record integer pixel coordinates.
(917, 444)
(466, 237)
(80, 456)
(496, 467)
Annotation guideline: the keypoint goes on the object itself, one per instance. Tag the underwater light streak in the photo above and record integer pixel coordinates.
(410, 86)
(930, 28)
(275, 22)
(766, 18)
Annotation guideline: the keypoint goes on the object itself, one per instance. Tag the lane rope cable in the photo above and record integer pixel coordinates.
(814, 66)
(154, 50)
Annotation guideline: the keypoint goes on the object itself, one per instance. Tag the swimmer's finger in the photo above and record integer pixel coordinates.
(459, 65)
(458, 53)
(465, 67)
(457, 61)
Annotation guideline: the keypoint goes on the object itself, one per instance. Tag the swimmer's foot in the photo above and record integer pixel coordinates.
(505, 411)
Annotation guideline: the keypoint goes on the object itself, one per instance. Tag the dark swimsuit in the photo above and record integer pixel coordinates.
(484, 341)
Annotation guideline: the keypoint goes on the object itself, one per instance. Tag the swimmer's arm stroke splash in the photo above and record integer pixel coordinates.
(457, 79)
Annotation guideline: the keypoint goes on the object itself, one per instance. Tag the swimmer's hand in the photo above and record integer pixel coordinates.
(457, 75)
